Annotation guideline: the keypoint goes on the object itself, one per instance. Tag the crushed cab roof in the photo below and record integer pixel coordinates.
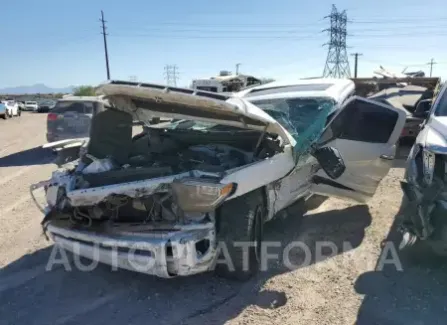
(320, 87)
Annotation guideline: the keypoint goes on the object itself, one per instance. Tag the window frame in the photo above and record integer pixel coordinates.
(324, 139)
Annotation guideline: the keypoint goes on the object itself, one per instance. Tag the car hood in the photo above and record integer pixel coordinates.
(146, 101)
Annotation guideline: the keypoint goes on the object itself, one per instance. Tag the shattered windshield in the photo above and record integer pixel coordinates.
(296, 115)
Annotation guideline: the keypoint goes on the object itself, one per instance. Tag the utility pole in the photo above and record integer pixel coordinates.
(356, 59)
(431, 63)
(105, 43)
(237, 68)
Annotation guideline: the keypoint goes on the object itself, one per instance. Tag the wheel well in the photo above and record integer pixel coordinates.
(264, 195)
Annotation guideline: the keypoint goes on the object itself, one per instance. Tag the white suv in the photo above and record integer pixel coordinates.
(12, 108)
(31, 106)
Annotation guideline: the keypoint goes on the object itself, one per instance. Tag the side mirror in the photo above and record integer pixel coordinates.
(423, 108)
(331, 161)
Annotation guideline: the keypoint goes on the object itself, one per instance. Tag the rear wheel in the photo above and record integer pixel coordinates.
(19, 112)
(240, 230)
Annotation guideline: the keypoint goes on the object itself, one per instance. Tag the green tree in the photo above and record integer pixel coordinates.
(84, 91)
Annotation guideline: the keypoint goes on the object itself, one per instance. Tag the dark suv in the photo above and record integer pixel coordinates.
(71, 117)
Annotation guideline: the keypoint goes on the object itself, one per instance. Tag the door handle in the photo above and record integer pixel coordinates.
(387, 157)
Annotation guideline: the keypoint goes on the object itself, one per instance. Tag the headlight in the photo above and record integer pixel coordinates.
(428, 160)
(192, 195)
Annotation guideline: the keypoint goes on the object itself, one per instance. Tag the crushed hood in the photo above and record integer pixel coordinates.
(146, 101)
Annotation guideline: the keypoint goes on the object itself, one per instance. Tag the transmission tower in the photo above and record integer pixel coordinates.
(337, 63)
(171, 75)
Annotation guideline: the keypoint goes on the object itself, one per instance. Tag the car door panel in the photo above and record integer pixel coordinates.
(365, 133)
(295, 185)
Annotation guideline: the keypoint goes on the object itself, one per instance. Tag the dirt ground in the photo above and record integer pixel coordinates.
(345, 285)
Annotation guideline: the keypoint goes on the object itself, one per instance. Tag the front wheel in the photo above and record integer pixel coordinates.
(436, 244)
(240, 228)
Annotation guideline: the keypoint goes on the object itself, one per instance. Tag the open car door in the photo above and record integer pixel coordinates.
(365, 133)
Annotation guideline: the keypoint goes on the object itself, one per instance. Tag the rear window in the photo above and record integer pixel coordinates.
(285, 89)
(10, 103)
(74, 106)
(30, 103)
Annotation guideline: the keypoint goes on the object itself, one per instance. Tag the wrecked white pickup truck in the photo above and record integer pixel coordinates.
(213, 175)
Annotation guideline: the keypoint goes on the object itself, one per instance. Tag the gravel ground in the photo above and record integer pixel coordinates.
(345, 284)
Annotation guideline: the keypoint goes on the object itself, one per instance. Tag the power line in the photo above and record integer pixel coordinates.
(337, 63)
(171, 75)
(355, 33)
(105, 43)
(232, 37)
(412, 21)
(309, 24)
(276, 37)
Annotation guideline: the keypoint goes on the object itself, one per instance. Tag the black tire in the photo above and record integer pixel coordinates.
(6, 116)
(19, 112)
(435, 245)
(241, 220)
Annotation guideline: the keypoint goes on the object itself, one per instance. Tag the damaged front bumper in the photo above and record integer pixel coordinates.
(163, 249)
(184, 251)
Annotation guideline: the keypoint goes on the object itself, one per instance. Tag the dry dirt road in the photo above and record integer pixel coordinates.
(343, 286)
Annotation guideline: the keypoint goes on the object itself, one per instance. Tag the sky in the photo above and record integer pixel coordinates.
(59, 43)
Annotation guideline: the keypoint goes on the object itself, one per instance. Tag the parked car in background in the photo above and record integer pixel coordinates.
(3, 111)
(31, 106)
(406, 98)
(22, 106)
(46, 106)
(12, 108)
(423, 219)
(213, 176)
(71, 117)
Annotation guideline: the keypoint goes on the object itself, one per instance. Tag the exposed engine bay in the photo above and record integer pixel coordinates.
(113, 157)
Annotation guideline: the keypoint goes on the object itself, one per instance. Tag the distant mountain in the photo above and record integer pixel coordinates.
(34, 89)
